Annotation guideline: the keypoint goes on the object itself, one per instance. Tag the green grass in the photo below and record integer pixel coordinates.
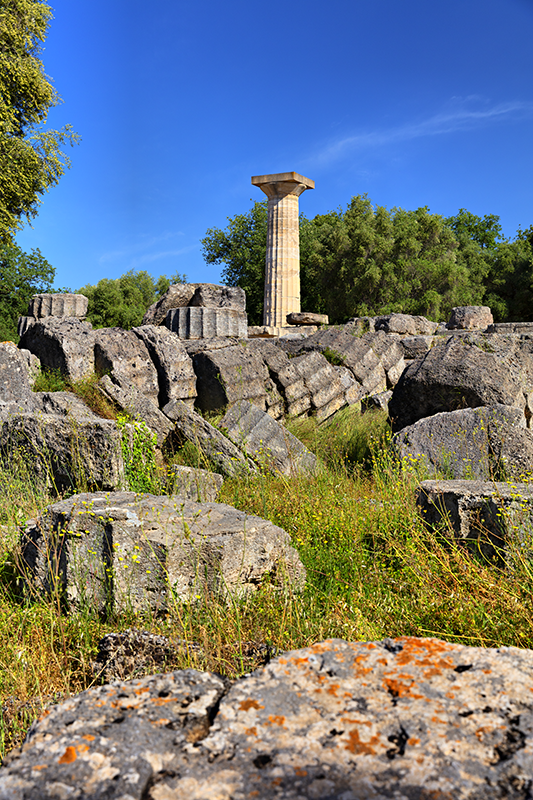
(373, 570)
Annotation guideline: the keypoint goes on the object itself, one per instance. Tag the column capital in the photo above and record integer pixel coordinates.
(281, 184)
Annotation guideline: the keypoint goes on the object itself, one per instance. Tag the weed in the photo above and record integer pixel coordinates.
(335, 358)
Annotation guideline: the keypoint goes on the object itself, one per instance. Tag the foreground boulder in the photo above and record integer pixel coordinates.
(403, 718)
(126, 551)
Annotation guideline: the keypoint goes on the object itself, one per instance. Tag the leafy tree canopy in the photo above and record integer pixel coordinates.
(31, 158)
(241, 249)
(366, 259)
(21, 276)
(122, 302)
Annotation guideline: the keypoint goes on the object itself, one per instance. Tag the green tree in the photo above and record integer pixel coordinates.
(31, 158)
(509, 284)
(241, 249)
(122, 302)
(21, 276)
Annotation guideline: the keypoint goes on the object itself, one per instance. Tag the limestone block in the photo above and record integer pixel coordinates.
(470, 317)
(286, 377)
(156, 548)
(15, 387)
(485, 443)
(460, 374)
(177, 296)
(24, 323)
(175, 372)
(136, 404)
(58, 305)
(397, 718)
(266, 441)
(180, 295)
(307, 318)
(357, 353)
(230, 374)
(208, 295)
(323, 383)
(63, 344)
(405, 324)
(192, 427)
(125, 358)
(192, 483)
(417, 346)
(353, 391)
(376, 402)
(62, 450)
(205, 323)
(494, 518)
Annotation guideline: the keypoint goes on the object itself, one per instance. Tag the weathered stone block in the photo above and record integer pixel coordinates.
(230, 374)
(180, 295)
(63, 344)
(398, 718)
(124, 551)
(266, 441)
(62, 451)
(286, 377)
(58, 305)
(196, 484)
(306, 318)
(175, 372)
(15, 388)
(494, 518)
(323, 383)
(484, 443)
(470, 317)
(125, 358)
(138, 406)
(208, 295)
(405, 324)
(193, 428)
(461, 374)
(417, 346)
(205, 323)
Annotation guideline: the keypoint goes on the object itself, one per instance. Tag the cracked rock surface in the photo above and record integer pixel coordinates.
(409, 718)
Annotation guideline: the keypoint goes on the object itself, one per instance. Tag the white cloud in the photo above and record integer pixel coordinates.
(462, 114)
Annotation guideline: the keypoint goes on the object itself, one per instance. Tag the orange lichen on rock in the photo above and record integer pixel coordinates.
(275, 720)
(357, 747)
(398, 689)
(68, 756)
(246, 705)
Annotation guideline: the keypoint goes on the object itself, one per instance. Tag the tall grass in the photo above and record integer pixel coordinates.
(373, 570)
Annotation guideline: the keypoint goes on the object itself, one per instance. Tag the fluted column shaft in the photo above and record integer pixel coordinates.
(282, 265)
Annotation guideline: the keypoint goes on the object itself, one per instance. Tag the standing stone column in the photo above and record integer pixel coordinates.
(282, 266)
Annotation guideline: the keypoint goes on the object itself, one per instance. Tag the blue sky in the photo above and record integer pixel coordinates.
(179, 102)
